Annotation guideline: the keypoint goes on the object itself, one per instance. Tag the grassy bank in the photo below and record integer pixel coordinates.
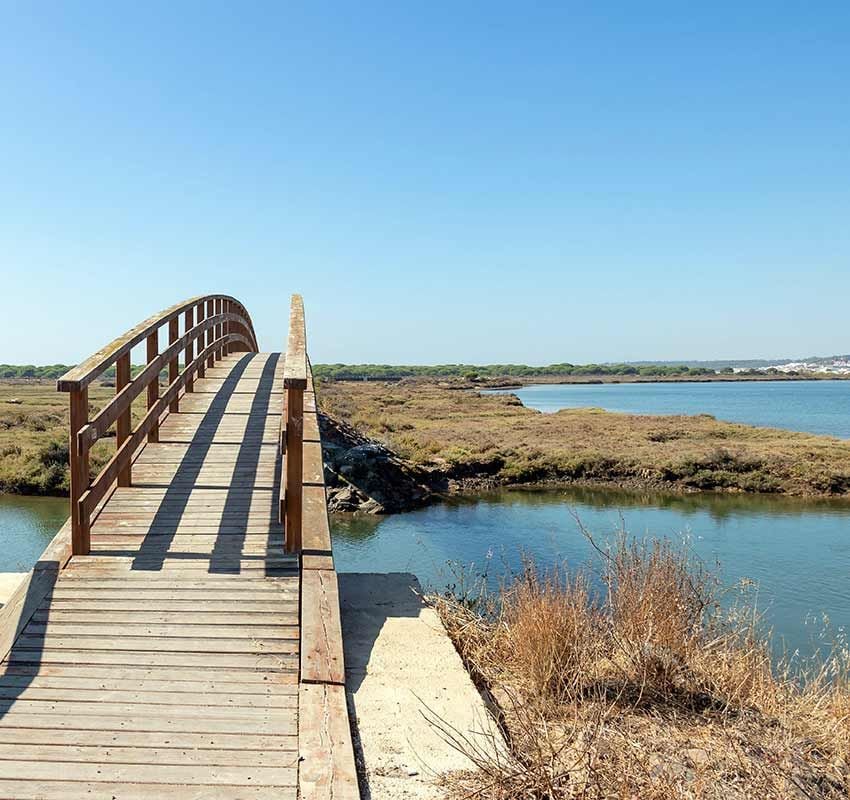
(645, 689)
(34, 436)
(467, 436)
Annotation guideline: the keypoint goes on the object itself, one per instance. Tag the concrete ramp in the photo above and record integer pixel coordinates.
(401, 667)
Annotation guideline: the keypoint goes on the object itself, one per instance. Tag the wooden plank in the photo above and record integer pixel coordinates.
(327, 770)
(150, 739)
(151, 773)
(81, 719)
(102, 616)
(321, 630)
(169, 605)
(32, 690)
(41, 642)
(316, 545)
(98, 754)
(228, 661)
(62, 790)
(181, 679)
(314, 469)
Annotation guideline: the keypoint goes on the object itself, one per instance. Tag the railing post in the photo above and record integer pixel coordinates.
(211, 334)
(225, 348)
(153, 386)
(79, 463)
(200, 340)
(294, 467)
(173, 369)
(188, 324)
(218, 328)
(122, 424)
(295, 380)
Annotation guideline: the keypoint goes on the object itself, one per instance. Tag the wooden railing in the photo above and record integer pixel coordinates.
(213, 326)
(295, 374)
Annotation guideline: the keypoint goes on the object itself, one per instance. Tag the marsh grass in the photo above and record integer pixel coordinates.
(461, 433)
(649, 687)
(34, 435)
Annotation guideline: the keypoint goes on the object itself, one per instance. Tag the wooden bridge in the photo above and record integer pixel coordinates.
(180, 637)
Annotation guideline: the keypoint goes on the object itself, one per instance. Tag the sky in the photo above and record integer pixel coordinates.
(475, 182)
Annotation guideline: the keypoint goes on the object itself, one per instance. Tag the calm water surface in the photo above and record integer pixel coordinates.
(27, 524)
(814, 406)
(796, 552)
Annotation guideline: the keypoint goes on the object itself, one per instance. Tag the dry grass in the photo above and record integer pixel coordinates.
(644, 690)
(34, 435)
(461, 433)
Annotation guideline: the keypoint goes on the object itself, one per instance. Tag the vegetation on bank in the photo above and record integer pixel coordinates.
(473, 437)
(500, 372)
(34, 436)
(647, 688)
(31, 371)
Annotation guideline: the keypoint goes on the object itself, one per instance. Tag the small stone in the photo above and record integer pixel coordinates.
(697, 755)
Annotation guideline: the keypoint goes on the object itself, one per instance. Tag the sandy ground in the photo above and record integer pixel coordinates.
(8, 583)
(401, 668)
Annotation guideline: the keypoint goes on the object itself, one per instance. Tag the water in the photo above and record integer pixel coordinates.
(27, 524)
(797, 552)
(821, 406)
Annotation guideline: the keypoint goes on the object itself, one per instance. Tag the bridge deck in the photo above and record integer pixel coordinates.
(165, 663)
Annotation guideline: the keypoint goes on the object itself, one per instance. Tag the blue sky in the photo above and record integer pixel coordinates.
(444, 182)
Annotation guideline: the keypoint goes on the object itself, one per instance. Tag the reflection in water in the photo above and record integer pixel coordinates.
(796, 551)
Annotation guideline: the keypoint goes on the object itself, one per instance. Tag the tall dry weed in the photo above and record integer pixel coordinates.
(631, 679)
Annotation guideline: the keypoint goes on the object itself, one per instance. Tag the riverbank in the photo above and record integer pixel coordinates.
(629, 678)
(452, 440)
(395, 446)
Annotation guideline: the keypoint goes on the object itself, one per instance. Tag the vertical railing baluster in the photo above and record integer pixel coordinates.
(173, 367)
(153, 386)
(294, 467)
(210, 334)
(218, 329)
(122, 424)
(200, 340)
(188, 324)
(79, 464)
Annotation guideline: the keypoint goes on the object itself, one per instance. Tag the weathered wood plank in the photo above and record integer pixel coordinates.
(25, 789)
(321, 630)
(327, 770)
(151, 773)
(99, 754)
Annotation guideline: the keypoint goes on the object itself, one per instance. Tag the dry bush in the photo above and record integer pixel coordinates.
(645, 688)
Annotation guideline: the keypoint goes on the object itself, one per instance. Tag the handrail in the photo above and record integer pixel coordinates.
(295, 374)
(295, 366)
(83, 374)
(218, 323)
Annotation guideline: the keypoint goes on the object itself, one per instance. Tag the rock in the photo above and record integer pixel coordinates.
(697, 755)
(364, 475)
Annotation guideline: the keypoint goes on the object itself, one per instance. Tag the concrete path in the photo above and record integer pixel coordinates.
(400, 664)
(8, 583)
